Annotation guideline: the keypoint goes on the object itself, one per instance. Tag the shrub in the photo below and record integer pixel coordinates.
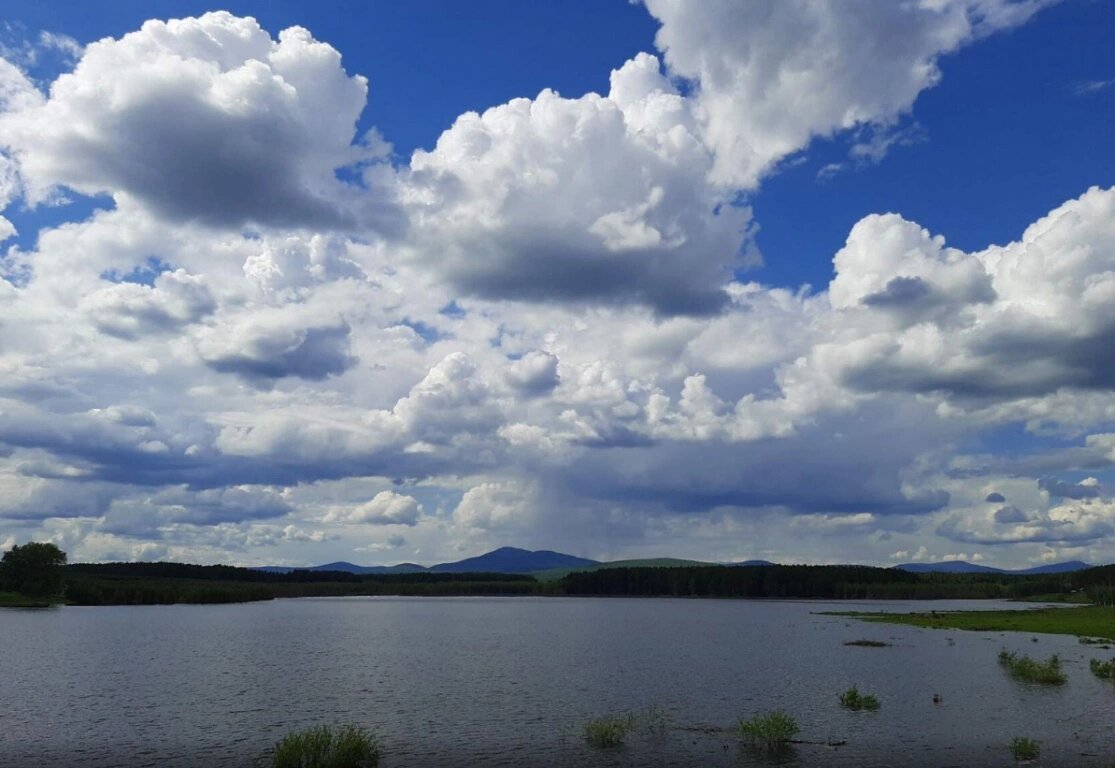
(1104, 670)
(854, 700)
(770, 730)
(1025, 749)
(1022, 667)
(321, 747)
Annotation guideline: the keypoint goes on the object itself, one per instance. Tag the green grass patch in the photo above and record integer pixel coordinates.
(1094, 621)
(609, 731)
(1104, 670)
(854, 700)
(323, 747)
(1022, 667)
(1024, 749)
(16, 600)
(770, 731)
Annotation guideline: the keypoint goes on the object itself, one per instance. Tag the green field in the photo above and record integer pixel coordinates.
(1089, 621)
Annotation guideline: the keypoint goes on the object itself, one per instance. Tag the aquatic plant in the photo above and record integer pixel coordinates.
(322, 747)
(1024, 749)
(867, 643)
(770, 731)
(1104, 670)
(856, 701)
(653, 721)
(1022, 667)
(608, 732)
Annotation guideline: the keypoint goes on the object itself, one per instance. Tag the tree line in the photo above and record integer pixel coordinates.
(39, 570)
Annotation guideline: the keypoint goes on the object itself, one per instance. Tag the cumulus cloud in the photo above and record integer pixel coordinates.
(386, 508)
(1025, 319)
(206, 118)
(771, 75)
(266, 346)
(597, 198)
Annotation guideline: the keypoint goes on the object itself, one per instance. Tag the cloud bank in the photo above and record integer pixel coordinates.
(539, 330)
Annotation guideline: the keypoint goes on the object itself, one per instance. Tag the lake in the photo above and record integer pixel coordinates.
(510, 681)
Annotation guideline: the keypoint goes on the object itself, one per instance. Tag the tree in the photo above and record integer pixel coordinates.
(35, 569)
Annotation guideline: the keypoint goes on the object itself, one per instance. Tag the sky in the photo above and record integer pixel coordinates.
(806, 281)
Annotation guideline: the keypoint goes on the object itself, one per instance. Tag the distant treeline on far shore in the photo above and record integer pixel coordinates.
(162, 583)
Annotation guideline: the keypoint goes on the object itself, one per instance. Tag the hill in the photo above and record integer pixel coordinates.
(960, 566)
(513, 560)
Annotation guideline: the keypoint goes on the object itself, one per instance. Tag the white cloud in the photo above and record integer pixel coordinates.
(386, 508)
(772, 74)
(206, 118)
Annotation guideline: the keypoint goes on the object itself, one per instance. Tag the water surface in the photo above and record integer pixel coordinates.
(509, 681)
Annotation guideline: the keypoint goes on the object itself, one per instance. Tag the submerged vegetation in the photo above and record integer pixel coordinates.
(854, 700)
(1024, 749)
(611, 731)
(607, 732)
(770, 731)
(1104, 670)
(322, 747)
(1093, 621)
(1022, 667)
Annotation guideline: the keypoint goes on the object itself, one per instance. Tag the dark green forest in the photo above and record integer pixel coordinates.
(162, 583)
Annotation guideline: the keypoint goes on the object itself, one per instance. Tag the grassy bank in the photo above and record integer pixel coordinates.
(15, 600)
(1090, 620)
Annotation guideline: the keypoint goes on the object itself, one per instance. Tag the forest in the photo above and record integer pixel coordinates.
(160, 583)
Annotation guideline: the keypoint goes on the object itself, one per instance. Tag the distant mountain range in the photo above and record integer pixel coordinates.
(502, 560)
(959, 566)
(553, 565)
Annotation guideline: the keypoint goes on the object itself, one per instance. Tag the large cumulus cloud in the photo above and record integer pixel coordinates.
(206, 118)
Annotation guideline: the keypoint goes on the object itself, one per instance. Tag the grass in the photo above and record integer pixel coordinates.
(1093, 621)
(1104, 670)
(868, 643)
(854, 700)
(1105, 644)
(609, 731)
(1024, 749)
(770, 731)
(16, 600)
(322, 747)
(1022, 667)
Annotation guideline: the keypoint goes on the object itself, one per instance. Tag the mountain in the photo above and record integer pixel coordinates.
(959, 566)
(1069, 567)
(513, 560)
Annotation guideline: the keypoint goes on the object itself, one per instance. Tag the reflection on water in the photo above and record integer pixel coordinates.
(509, 681)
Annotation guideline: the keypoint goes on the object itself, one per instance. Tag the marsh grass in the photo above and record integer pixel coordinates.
(854, 700)
(771, 731)
(1104, 670)
(1101, 642)
(609, 731)
(1022, 667)
(322, 747)
(1024, 749)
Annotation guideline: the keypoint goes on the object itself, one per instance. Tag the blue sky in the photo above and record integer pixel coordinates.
(282, 385)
